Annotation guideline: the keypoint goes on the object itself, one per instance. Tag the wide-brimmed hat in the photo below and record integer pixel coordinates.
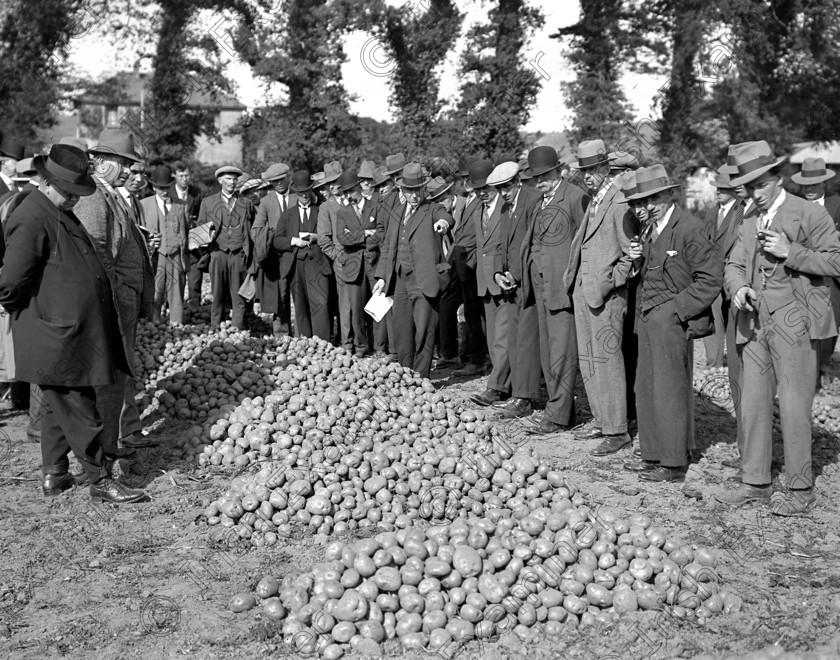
(723, 181)
(621, 160)
(319, 179)
(729, 167)
(67, 168)
(752, 160)
(248, 183)
(478, 171)
(24, 170)
(503, 173)
(437, 187)
(590, 153)
(541, 160)
(627, 185)
(301, 181)
(380, 176)
(348, 181)
(11, 147)
(275, 172)
(332, 171)
(394, 163)
(366, 169)
(413, 176)
(650, 181)
(228, 169)
(813, 171)
(116, 142)
(162, 177)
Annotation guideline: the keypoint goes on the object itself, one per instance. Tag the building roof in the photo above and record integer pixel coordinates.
(828, 151)
(134, 83)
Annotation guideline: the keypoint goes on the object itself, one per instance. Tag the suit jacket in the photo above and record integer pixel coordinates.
(556, 224)
(212, 208)
(290, 225)
(691, 265)
(487, 246)
(814, 257)
(598, 251)
(462, 256)
(430, 268)
(327, 241)
(174, 225)
(373, 243)
(832, 205)
(63, 309)
(513, 227)
(192, 200)
(350, 232)
(385, 211)
(266, 222)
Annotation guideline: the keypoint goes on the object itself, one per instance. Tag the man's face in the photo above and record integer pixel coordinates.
(61, 198)
(323, 193)
(228, 183)
(136, 181)
(764, 190)
(814, 191)
(386, 187)
(117, 163)
(182, 178)
(367, 187)
(639, 210)
(465, 182)
(281, 185)
(413, 196)
(335, 189)
(508, 190)
(162, 192)
(657, 205)
(725, 195)
(741, 192)
(594, 177)
(486, 194)
(354, 194)
(8, 166)
(545, 182)
(447, 200)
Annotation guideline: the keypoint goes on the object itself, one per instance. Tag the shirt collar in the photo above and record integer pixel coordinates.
(7, 180)
(726, 208)
(770, 213)
(492, 207)
(665, 219)
(515, 196)
(227, 198)
(820, 201)
(602, 192)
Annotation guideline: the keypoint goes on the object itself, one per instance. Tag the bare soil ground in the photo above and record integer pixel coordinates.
(147, 581)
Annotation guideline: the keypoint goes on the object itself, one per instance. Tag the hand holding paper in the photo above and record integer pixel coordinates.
(378, 306)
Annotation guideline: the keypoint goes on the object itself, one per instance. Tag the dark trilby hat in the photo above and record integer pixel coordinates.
(651, 180)
(413, 176)
(813, 171)
(541, 160)
(11, 147)
(67, 168)
(162, 176)
(479, 170)
(348, 181)
(301, 181)
(116, 142)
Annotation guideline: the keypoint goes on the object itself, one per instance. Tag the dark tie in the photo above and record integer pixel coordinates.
(740, 207)
(485, 218)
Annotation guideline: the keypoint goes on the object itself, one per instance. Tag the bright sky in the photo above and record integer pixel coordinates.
(366, 72)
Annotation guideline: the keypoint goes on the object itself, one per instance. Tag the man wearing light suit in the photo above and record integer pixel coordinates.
(596, 279)
(777, 277)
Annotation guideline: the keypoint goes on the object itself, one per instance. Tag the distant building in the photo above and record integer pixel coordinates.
(125, 107)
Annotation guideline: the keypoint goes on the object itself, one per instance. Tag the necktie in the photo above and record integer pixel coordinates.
(740, 208)
(283, 204)
(407, 214)
(720, 216)
(166, 207)
(485, 218)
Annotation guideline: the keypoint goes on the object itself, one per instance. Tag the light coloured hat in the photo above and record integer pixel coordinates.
(413, 176)
(228, 169)
(503, 173)
(813, 171)
(590, 153)
(24, 170)
(752, 160)
(437, 187)
(650, 181)
(366, 169)
(623, 160)
(276, 171)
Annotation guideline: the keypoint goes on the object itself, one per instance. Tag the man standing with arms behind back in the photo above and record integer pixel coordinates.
(183, 192)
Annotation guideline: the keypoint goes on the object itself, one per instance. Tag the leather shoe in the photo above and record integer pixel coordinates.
(792, 503)
(138, 441)
(641, 466)
(445, 363)
(736, 478)
(612, 444)
(121, 452)
(588, 432)
(55, 484)
(109, 489)
(547, 427)
(361, 354)
(662, 473)
(488, 397)
(734, 463)
(746, 493)
(516, 408)
(469, 370)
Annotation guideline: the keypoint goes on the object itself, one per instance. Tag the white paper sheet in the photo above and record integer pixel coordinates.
(378, 306)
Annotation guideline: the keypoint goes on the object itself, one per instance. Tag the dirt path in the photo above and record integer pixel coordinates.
(146, 581)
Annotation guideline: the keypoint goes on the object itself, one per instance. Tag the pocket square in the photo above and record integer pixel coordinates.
(671, 253)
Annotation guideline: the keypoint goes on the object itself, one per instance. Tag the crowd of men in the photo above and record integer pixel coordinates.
(589, 268)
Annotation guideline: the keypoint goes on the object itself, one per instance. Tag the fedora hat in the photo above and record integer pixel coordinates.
(437, 187)
(650, 181)
(332, 171)
(752, 159)
(394, 163)
(478, 171)
(627, 185)
(813, 171)
(413, 176)
(301, 181)
(319, 179)
(366, 169)
(24, 169)
(620, 160)
(116, 142)
(380, 176)
(11, 147)
(248, 183)
(276, 172)
(162, 177)
(590, 153)
(228, 169)
(348, 181)
(503, 173)
(67, 168)
(723, 181)
(541, 160)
